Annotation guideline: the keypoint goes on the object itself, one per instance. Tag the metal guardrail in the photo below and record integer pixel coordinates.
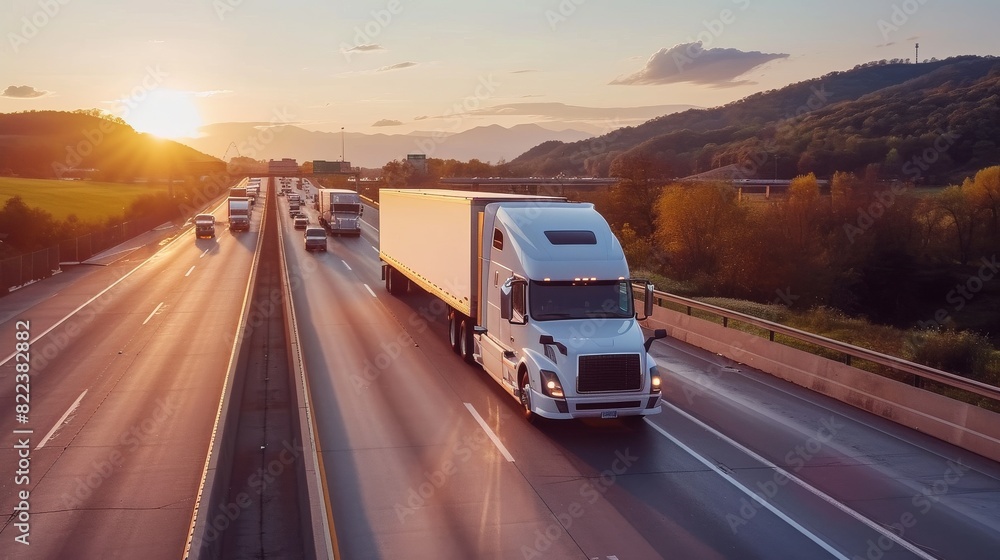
(919, 371)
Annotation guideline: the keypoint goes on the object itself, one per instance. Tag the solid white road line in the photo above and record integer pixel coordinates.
(188, 273)
(153, 313)
(65, 415)
(887, 533)
(750, 493)
(370, 291)
(496, 441)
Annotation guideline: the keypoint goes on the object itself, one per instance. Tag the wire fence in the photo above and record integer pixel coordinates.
(38, 265)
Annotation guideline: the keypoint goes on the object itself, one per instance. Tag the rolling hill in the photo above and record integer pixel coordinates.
(58, 144)
(929, 122)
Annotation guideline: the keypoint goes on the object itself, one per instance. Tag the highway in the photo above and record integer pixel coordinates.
(423, 455)
(128, 364)
(739, 465)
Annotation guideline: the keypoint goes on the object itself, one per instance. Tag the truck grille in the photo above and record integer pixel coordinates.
(609, 372)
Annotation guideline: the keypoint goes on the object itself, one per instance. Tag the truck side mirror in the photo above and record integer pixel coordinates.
(647, 300)
(657, 335)
(512, 301)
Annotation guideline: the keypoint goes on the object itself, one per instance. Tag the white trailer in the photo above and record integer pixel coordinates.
(339, 211)
(539, 295)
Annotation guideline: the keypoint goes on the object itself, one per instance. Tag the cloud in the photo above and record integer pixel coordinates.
(22, 92)
(689, 62)
(523, 71)
(398, 66)
(367, 47)
(421, 118)
(210, 93)
(388, 122)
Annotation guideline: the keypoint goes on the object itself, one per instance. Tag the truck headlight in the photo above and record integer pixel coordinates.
(550, 385)
(654, 380)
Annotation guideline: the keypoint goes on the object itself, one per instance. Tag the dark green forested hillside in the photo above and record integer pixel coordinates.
(932, 122)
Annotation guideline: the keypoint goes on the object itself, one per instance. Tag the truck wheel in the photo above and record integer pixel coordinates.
(453, 334)
(466, 344)
(525, 386)
(395, 282)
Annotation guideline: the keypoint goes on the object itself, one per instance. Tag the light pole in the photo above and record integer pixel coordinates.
(343, 145)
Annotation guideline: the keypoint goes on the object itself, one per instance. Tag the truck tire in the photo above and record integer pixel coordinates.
(467, 347)
(524, 384)
(453, 330)
(395, 282)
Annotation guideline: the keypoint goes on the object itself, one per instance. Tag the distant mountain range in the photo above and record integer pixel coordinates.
(264, 141)
(933, 122)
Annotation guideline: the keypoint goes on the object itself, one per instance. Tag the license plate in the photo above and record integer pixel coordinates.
(609, 414)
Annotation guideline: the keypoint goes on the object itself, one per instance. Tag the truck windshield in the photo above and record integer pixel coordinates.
(348, 208)
(580, 300)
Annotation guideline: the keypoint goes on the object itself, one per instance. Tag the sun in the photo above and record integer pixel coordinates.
(165, 113)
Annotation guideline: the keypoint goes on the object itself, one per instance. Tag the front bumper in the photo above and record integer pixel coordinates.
(610, 405)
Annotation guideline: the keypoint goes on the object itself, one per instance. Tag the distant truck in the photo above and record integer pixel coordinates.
(538, 293)
(204, 225)
(239, 213)
(339, 211)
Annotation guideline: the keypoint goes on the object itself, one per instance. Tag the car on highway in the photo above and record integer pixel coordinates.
(301, 222)
(315, 239)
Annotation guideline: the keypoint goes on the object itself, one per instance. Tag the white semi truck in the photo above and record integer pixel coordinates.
(339, 211)
(538, 292)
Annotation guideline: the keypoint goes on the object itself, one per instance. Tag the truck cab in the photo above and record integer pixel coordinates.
(561, 328)
(204, 225)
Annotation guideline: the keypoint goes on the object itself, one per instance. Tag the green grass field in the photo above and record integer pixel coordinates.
(91, 201)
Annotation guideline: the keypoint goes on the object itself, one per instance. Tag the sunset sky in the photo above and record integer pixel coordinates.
(396, 66)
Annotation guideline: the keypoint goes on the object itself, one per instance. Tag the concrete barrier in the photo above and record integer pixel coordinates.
(967, 426)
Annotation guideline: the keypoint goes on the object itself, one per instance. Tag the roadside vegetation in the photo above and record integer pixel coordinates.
(913, 275)
(39, 213)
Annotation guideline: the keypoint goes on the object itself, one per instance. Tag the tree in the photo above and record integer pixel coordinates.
(633, 200)
(694, 224)
(984, 194)
(397, 173)
(960, 216)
